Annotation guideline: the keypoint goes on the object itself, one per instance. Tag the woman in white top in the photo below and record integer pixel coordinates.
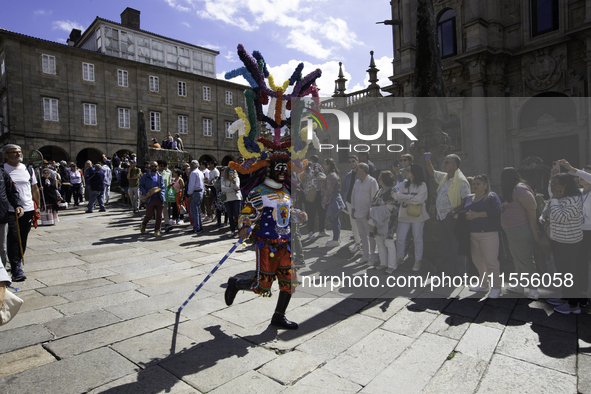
(76, 182)
(231, 189)
(414, 192)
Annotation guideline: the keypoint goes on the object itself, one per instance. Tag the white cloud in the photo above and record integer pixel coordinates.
(62, 40)
(231, 57)
(336, 30)
(186, 24)
(67, 25)
(225, 10)
(177, 6)
(42, 12)
(306, 43)
(211, 46)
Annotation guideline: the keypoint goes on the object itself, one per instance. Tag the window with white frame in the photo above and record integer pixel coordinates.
(182, 89)
(50, 109)
(229, 98)
(206, 93)
(228, 134)
(2, 69)
(122, 79)
(183, 124)
(48, 64)
(88, 72)
(124, 118)
(90, 114)
(207, 129)
(154, 84)
(155, 121)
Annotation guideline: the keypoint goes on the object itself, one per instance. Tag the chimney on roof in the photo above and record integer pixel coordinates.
(74, 37)
(130, 18)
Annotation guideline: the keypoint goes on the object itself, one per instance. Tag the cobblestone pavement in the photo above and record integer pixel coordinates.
(99, 317)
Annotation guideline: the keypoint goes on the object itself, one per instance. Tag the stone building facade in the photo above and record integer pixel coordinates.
(522, 51)
(74, 102)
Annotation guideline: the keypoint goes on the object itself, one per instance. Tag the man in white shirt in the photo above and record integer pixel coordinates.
(206, 202)
(195, 193)
(363, 192)
(26, 185)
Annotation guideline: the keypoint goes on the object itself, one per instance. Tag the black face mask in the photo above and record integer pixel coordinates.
(278, 171)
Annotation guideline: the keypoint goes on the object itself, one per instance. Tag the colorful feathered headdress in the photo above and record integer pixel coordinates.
(259, 152)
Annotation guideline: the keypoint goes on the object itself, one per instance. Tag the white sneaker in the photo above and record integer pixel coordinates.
(566, 309)
(417, 265)
(355, 248)
(323, 234)
(332, 244)
(533, 294)
(494, 293)
(390, 270)
(515, 289)
(172, 222)
(181, 222)
(312, 236)
(363, 260)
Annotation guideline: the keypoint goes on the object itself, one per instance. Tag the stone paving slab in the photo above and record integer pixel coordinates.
(34, 301)
(542, 313)
(73, 286)
(449, 326)
(79, 275)
(300, 364)
(340, 337)
(215, 363)
(39, 316)
(584, 365)
(149, 349)
(368, 357)
(479, 342)
(412, 371)
(75, 375)
(408, 322)
(323, 381)
(250, 382)
(501, 377)
(151, 380)
(554, 349)
(57, 263)
(20, 337)
(79, 343)
(24, 359)
(144, 306)
(164, 267)
(384, 309)
(459, 375)
(494, 317)
(92, 304)
(70, 325)
(115, 288)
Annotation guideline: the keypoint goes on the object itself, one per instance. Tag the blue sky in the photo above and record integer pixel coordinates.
(319, 33)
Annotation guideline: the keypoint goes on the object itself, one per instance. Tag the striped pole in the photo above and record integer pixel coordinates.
(218, 265)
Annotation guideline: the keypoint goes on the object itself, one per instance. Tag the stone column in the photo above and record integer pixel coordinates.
(479, 156)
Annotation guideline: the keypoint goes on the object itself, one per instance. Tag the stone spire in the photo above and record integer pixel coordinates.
(373, 88)
(339, 83)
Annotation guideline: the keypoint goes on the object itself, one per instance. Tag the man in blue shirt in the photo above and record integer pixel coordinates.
(195, 193)
(150, 182)
(95, 178)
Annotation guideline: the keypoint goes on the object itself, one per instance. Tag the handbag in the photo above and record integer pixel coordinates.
(182, 210)
(223, 197)
(414, 209)
(10, 307)
(311, 195)
(170, 195)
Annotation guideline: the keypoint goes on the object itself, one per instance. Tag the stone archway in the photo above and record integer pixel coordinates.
(207, 158)
(91, 154)
(56, 153)
(226, 160)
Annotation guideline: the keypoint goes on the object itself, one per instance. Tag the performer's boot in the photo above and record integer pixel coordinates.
(279, 319)
(16, 269)
(235, 284)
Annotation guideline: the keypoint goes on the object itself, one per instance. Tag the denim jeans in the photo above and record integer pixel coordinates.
(93, 196)
(196, 199)
(233, 211)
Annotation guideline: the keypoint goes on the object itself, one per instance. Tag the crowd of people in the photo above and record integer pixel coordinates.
(169, 142)
(387, 212)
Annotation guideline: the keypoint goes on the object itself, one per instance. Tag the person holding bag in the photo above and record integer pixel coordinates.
(311, 179)
(412, 213)
(383, 215)
(332, 201)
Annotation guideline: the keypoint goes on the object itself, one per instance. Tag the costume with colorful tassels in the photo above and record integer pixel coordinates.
(268, 203)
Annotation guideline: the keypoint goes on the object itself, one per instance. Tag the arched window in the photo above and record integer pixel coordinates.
(446, 32)
(544, 16)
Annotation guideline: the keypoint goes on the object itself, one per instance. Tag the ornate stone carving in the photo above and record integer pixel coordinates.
(544, 71)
